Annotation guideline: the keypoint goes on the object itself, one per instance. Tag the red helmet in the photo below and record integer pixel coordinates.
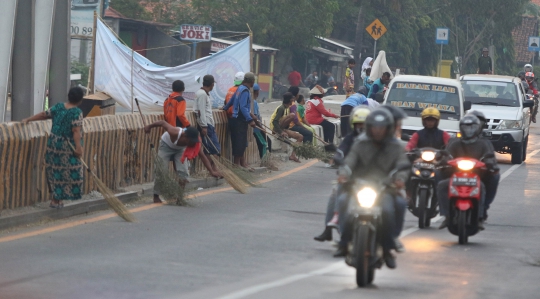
(529, 74)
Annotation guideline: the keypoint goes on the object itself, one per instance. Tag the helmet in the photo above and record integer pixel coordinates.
(469, 127)
(529, 74)
(397, 113)
(359, 115)
(431, 112)
(480, 117)
(528, 68)
(363, 90)
(380, 117)
(521, 74)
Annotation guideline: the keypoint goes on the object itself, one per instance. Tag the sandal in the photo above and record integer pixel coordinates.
(295, 159)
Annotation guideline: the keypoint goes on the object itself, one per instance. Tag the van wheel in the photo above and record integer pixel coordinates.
(525, 143)
(517, 154)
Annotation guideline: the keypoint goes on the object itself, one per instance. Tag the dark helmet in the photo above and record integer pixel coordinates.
(481, 117)
(363, 90)
(521, 74)
(470, 128)
(397, 113)
(379, 118)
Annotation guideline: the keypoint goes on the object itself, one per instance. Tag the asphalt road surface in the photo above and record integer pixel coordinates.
(261, 245)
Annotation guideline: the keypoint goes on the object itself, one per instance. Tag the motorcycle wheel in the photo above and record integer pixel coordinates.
(422, 204)
(364, 272)
(462, 228)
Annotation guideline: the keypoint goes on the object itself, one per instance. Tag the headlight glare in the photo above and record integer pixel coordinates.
(428, 156)
(366, 197)
(466, 165)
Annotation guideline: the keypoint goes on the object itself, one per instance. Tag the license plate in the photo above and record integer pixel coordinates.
(425, 165)
(464, 181)
(487, 134)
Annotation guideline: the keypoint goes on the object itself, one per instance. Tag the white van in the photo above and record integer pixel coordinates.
(415, 93)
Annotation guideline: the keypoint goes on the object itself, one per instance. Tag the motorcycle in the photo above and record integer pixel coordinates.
(331, 91)
(365, 254)
(464, 193)
(422, 186)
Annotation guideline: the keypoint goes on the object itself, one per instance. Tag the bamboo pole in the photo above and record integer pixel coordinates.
(132, 53)
(93, 59)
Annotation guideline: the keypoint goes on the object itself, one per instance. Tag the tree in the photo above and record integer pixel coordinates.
(131, 9)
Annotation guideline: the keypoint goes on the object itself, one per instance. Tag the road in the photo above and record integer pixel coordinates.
(261, 245)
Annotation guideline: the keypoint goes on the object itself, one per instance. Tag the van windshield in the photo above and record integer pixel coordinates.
(491, 93)
(415, 97)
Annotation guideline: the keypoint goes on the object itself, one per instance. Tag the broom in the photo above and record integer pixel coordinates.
(236, 182)
(327, 146)
(166, 182)
(108, 195)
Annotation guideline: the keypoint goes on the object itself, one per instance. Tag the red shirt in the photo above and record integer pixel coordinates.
(315, 111)
(413, 142)
(294, 78)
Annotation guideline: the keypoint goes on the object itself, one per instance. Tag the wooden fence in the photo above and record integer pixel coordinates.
(115, 148)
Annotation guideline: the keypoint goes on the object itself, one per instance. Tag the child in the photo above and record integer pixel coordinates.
(301, 111)
(349, 78)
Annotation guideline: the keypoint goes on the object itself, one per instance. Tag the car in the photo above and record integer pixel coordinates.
(414, 93)
(503, 101)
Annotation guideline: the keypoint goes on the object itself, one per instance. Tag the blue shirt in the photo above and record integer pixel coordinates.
(241, 103)
(256, 112)
(367, 84)
(355, 100)
(377, 87)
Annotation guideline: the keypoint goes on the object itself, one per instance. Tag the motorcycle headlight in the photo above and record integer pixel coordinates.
(510, 124)
(465, 165)
(428, 156)
(366, 197)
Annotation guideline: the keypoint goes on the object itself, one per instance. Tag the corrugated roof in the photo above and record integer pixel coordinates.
(333, 42)
(529, 27)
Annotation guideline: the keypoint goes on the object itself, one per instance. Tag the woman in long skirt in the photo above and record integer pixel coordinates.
(64, 168)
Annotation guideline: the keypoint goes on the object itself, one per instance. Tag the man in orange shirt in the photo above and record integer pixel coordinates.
(238, 79)
(174, 107)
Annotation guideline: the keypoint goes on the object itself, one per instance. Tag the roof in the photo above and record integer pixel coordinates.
(494, 78)
(111, 13)
(529, 27)
(537, 2)
(333, 42)
(330, 53)
(426, 80)
(255, 46)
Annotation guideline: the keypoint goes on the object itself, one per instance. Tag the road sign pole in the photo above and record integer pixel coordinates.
(375, 49)
(193, 51)
(440, 62)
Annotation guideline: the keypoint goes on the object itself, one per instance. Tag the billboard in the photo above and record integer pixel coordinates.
(196, 33)
(82, 16)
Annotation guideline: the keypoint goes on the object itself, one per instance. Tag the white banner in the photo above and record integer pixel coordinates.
(152, 83)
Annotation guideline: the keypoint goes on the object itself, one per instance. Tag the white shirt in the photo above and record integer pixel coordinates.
(166, 137)
(203, 108)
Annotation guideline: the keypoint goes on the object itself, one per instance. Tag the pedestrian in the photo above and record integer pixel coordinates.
(331, 81)
(264, 144)
(64, 169)
(174, 107)
(367, 82)
(179, 144)
(379, 84)
(347, 107)
(203, 110)
(301, 112)
(295, 124)
(238, 78)
(241, 119)
(349, 78)
(281, 120)
(368, 62)
(314, 113)
(485, 65)
(295, 79)
(312, 79)
(324, 79)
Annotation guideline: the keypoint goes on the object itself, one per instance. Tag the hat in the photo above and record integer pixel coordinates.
(192, 134)
(209, 79)
(249, 76)
(239, 78)
(317, 90)
(485, 50)
(256, 87)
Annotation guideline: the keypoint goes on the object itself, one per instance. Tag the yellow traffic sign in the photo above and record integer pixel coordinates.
(376, 29)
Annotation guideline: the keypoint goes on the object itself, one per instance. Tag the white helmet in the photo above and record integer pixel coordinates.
(528, 68)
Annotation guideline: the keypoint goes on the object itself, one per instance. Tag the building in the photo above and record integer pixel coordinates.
(529, 27)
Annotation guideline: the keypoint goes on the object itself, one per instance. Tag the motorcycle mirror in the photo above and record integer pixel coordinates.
(405, 137)
(467, 105)
(528, 103)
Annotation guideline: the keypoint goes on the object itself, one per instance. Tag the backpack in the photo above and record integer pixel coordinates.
(170, 107)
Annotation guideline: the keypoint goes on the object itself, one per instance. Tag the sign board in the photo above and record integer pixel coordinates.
(534, 43)
(82, 16)
(442, 36)
(196, 33)
(217, 46)
(376, 29)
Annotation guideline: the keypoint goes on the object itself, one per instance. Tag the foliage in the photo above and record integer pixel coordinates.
(80, 68)
(131, 9)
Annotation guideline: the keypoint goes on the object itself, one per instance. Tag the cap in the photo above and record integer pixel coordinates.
(209, 79)
(239, 78)
(485, 50)
(256, 87)
(317, 90)
(249, 76)
(192, 134)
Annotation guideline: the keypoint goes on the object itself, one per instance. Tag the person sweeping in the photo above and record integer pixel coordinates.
(64, 169)
(179, 144)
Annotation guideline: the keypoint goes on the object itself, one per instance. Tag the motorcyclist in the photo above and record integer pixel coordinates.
(528, 68)
(357, 119)
(533, 89)
(373, 156)
(472, 146)
(430, 135)
(521, 76)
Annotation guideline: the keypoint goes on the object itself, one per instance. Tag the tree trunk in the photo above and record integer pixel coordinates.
(359, 37)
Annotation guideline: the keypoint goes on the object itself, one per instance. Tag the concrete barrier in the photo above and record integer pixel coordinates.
(115, 148)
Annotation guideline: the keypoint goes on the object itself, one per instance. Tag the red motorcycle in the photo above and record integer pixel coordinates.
(464, 191)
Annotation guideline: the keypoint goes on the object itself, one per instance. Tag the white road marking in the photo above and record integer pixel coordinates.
(338, 265)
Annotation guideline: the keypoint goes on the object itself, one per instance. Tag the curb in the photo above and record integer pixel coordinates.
(99, 204)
